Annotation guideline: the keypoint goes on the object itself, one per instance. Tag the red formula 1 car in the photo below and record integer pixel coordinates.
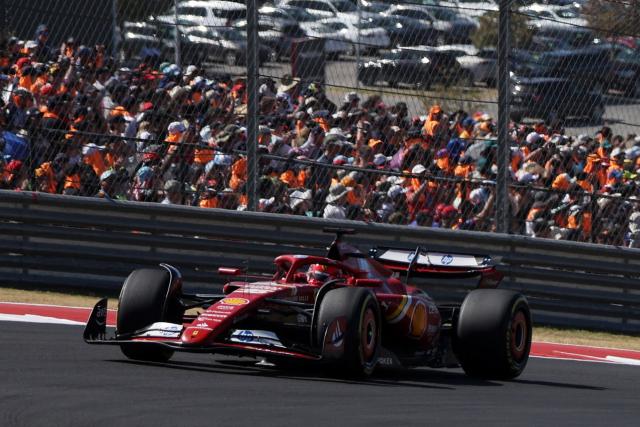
(348, 310)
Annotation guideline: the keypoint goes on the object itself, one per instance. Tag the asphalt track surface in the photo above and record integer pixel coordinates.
(50, 377)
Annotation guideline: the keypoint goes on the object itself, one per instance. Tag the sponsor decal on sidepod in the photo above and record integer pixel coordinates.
(235, 301)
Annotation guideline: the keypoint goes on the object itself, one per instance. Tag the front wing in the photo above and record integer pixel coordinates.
(95, 333)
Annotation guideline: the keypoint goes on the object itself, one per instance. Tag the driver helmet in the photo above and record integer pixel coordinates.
(319, 274)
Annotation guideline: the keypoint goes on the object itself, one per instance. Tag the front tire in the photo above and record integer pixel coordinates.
(348, 330)
(146, 298)
(493, 334)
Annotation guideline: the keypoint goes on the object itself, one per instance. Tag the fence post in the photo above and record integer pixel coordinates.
(252, 104)
(114, 29)
(176, 39)
(357, 47)
(502, 193)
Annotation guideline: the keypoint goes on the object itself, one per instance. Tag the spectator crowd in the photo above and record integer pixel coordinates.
(73, 121)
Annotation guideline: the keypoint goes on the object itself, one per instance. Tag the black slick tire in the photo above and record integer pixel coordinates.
(360, 313)
(144, 300)
(493, 334)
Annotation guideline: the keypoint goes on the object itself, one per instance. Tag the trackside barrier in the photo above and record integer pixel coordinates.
(66, 242)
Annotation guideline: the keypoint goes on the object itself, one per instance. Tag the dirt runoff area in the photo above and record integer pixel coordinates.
(540, 333)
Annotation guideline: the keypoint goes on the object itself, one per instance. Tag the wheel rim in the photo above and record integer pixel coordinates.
(369, 335)
(519, 335)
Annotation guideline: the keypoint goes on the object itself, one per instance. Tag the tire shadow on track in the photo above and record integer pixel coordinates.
(415, 378)
(563, 385)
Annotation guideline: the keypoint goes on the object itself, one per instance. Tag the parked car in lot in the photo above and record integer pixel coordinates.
(451, 27)
(275, 33)
(541, 44)
(333, 47)
(421, 67)
(200, 43)
(575, 37)
(591, 67)
(471, 8)
(543, 15)
(222, 45)
(211, 12)
(287, 14)
(481, 63)
(346, 10)
(367, 34)
(404, 31)
(138, 36)
(159, 35)
(625, 68)
(552, 98)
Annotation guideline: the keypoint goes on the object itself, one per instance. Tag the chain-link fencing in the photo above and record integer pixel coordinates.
(374, 111)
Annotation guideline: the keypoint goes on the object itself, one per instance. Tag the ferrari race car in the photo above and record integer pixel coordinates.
(347, 310)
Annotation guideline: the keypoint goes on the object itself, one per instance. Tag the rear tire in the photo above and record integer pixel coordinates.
(493, 334)
(356, 311)
(144, 299)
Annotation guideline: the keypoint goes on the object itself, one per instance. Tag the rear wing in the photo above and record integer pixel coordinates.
(423, 263)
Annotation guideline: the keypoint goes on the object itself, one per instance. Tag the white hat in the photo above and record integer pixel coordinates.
(145, 135)
(616, 152)
(336, 192)
(265, 203)
(395, 179)
(175, 127)
(107, 174)
(191, 69)
(533, 137)
(287, 83)
(336, 131)
(90, 148)
(298, 197)
(418, 169)
(395, 191)
(478, 196)
(380, 159)
(527, 178)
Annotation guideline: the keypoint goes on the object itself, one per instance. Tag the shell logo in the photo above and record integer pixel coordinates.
(235, 301)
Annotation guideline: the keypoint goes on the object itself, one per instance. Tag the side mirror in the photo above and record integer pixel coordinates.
(227, 271)
(368, 283)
